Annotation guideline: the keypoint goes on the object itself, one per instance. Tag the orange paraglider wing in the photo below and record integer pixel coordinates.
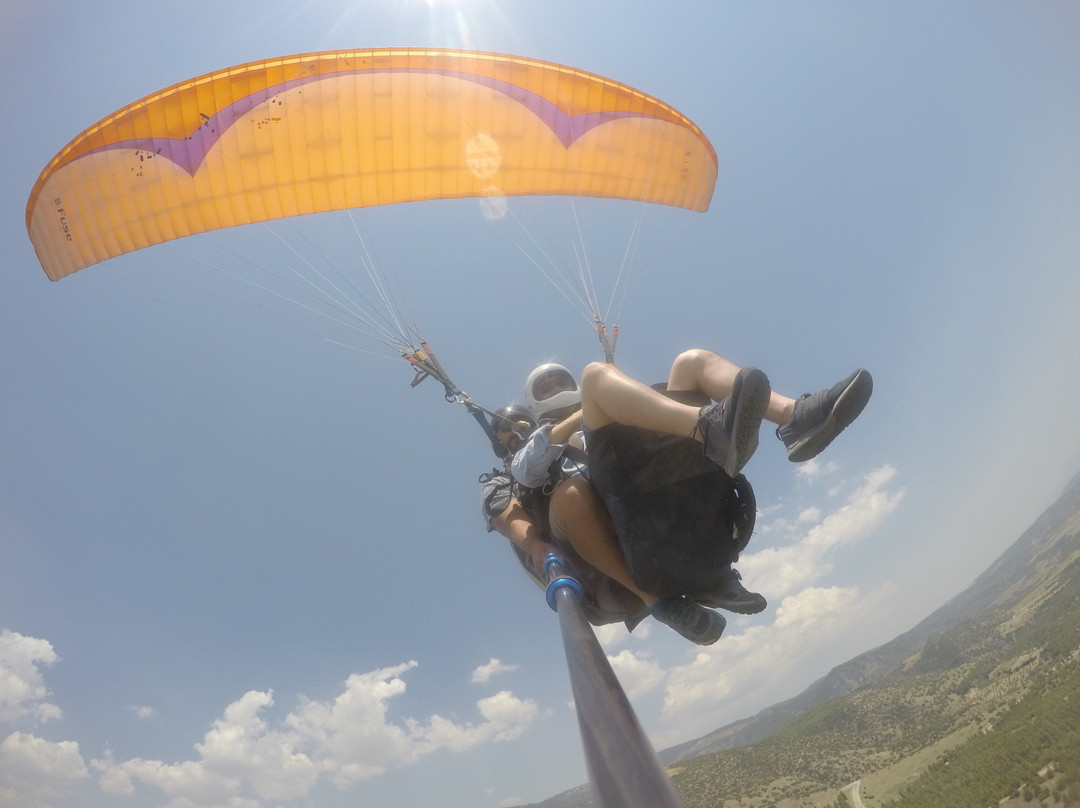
(348, 129)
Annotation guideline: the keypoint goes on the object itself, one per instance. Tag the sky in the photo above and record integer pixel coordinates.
(242, 564)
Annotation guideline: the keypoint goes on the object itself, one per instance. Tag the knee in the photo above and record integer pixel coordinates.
(593, 374)
(688, 371)
(691, 360)
(574, 498)
(595, 369)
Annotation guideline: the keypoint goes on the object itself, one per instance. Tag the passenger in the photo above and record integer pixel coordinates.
(667, 465)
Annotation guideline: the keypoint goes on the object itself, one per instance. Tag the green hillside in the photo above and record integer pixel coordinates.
(978, 705)
(987, 710)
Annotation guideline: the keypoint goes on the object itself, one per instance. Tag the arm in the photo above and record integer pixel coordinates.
(514, 523)
(563, 431)
(532, 462)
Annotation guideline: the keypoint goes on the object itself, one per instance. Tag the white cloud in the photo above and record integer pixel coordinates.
(143, 713)
(35, 773)
(637, 673)
(812, 470)
(240, 746)
(22, 687)
(805, 558)
(808, 616)
(744, 665)
(112, 779)
(195, 781)
(485, 673)
(863, 512)
(346, 740)
(505, 718)
(612, 635)
(806, 608)
(351, 736)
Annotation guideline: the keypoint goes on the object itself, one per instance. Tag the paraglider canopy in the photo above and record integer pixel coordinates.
(347, 129)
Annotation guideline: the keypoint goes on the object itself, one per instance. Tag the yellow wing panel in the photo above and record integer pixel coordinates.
(327, 131)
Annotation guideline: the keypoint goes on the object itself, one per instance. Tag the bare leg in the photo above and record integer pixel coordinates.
(592, 534)
(698, 369)
(608, 395)
(589, 529)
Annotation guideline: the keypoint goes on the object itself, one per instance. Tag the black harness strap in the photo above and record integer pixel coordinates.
(426, 364)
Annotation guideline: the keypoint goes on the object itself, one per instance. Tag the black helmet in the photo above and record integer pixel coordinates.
(515, 417)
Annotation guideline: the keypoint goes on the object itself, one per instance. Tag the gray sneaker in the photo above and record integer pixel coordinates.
(820, 417)
(729, 429)
(731, 595)
(696, 623)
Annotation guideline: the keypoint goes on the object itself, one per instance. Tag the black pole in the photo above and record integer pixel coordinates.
(623, 767)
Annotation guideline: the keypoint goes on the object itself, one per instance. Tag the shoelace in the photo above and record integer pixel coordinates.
(792, 418)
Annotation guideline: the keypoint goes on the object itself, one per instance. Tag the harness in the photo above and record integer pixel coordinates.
(534, 500)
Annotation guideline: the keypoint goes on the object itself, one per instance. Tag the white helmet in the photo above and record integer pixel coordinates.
(551, 393)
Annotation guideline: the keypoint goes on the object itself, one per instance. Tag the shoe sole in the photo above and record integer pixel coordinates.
(709, 640)
(752, 391)
(736, 606)
(718, 624)
(847, 408)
